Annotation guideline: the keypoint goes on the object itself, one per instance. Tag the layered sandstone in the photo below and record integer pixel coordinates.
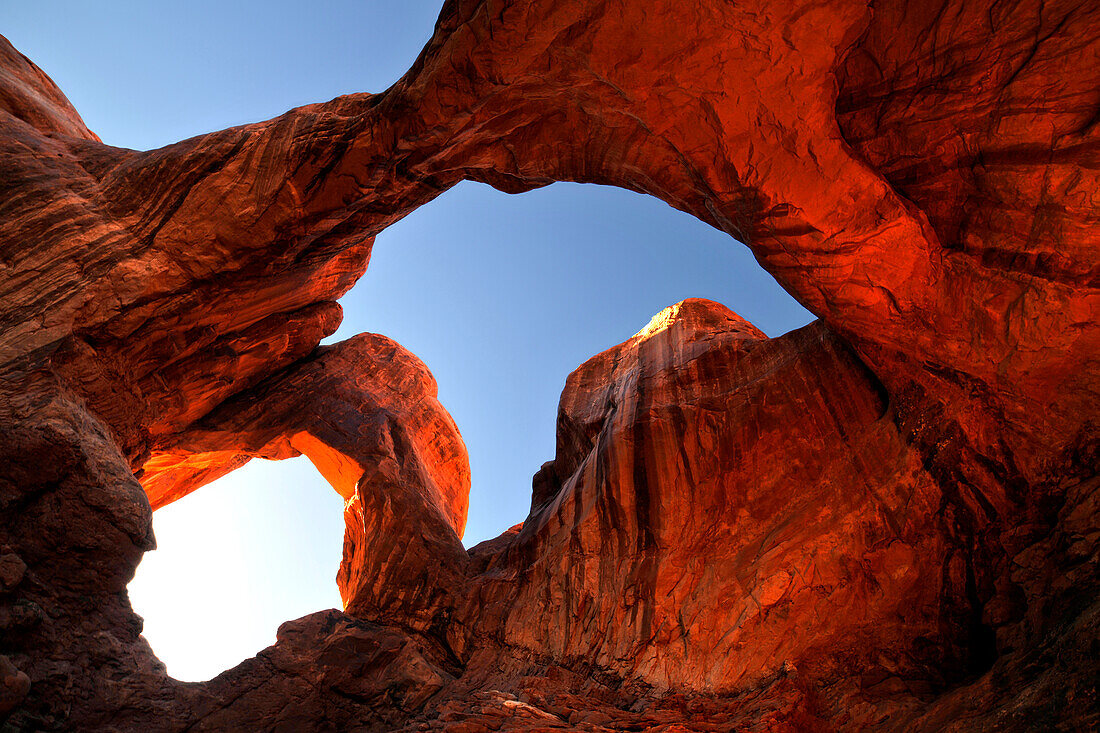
(716, 492)
(885, 519)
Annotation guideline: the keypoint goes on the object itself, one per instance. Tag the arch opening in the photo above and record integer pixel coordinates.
(501, 296)
(235, 560)
(504, 295)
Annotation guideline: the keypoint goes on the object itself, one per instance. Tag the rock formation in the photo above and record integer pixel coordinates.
(887, 519)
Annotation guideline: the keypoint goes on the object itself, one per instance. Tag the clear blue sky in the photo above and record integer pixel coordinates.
(501, 296)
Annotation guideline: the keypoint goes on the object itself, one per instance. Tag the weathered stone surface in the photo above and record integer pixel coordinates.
(365, 413)
(715, 495)
(14, 686)
(886, 519)
(340, 407)
(29, 95)
(328, 671)
(12, 569)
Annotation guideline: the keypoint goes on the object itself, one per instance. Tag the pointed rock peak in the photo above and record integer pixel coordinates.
(698, 314)
(29, 95)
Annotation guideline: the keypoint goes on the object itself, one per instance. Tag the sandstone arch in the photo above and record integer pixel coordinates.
(923, 182)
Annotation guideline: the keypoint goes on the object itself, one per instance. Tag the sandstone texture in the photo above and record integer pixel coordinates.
(885, 520)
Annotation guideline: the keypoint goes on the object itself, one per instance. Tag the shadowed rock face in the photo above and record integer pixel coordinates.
(885, 519)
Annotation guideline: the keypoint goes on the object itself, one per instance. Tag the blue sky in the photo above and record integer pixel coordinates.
(501, 296)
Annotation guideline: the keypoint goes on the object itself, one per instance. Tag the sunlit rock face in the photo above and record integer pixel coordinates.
(717, 495)
(886, 519)
(365, 413)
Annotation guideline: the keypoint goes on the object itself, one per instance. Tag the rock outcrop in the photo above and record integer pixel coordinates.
(365, 413)
(887, 519)
(714, 493)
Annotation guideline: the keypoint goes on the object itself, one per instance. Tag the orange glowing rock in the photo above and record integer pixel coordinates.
(365, 413)
(339, 407)
(887, 519)
(715, 493)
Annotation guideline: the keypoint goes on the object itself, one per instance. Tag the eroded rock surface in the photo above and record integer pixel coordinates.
(886, 519)
(714, 493)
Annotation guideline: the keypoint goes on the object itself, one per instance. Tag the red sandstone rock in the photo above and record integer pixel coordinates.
(716, 498)
(365, 413)
(843, 528)
(339, 407)
(12, 569)
(28, 95)
(14, 686)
